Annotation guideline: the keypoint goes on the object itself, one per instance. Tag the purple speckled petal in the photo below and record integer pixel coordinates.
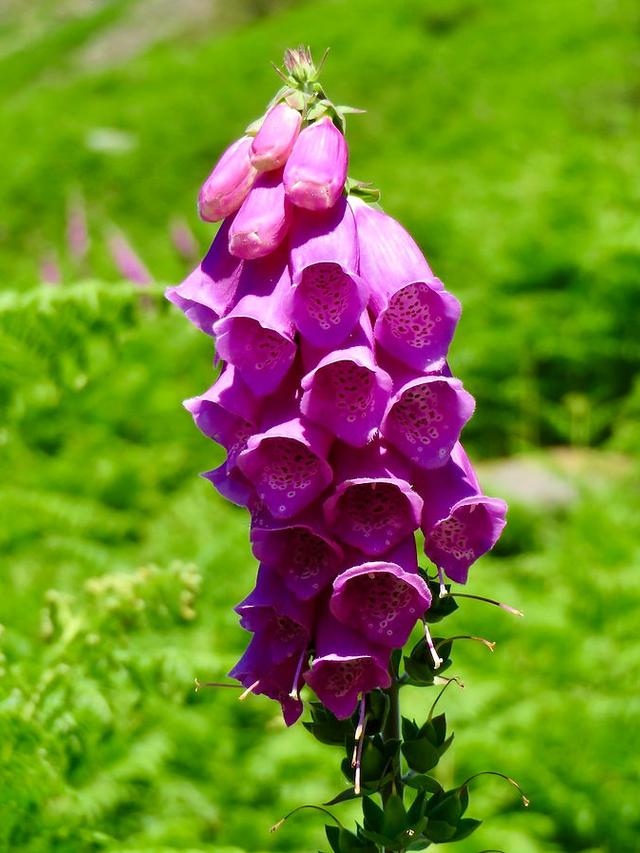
(425, 417)
(373, 511)
(275, 680)
(347, 393)
(380, 600)
(288, 466)
(283, 620)
(459, 523)
(346, 665)
(207, 293)
(227, 412)
(263, 221)
(228, 184)
(257, 335)
(274, 141)
(329, 295)
(300, 550)
(316, 170)
(229, 482)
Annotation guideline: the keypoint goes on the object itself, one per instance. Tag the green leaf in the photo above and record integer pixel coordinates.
(421, 782)
(416, 810)
(333, 837)
(421, 755)
(343, 796)
(373, 814)
(395, 816)
(465, 827)
(439, 723)
(410, 730)
(440, 831)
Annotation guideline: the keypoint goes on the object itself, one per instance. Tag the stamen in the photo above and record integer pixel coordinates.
(198, 684)
(248, 691)
(294, 693)
(437, 660)
(493, 601)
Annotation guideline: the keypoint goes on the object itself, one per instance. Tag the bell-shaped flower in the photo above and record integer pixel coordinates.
(287, 464)
(227, 412)
(228, 184)
(208, 292)
(262, 222)
(274, 142)
(229, 482)
(257, 335)
(316, 170)
(425, 417)
(329, 295)
(346, 664)
(282, 681)
(300, 550)
(347, 392)
(415, 317)
(459, 523)
(371, 507)
(382, 600)
(283, 621)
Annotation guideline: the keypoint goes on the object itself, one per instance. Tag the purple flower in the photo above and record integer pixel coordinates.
(316, 171)
(183, 239)
(459, 523)
(300, 550)
(262, 222)
(329, 296)
(227, 186)
(274, 141)
(283, 621)
(425, 417)
(127, 262)
(77, 230)
(257, 671)
(345, 665)
(229, 482)
(288, 466)
(227, 412)
(382, 600)
(415, 317)
(346, 391)
(371, 508)
(257, 334)
(207, 293)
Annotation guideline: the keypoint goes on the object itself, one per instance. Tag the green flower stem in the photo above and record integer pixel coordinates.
(392, 731)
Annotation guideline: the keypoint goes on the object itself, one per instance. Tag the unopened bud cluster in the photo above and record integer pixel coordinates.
(336, 406)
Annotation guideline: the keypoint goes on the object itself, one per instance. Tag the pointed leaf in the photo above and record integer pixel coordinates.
(395, 816)
(465, 827)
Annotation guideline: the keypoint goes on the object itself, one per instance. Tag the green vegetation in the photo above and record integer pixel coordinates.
(504, 135)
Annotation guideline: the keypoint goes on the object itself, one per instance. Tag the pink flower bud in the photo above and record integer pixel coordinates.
(263, 220)
(316, 171)
(227, 186)
(275, 140)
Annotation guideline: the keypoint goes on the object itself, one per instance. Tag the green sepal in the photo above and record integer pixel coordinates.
(465, 827)
(378, 704)
(395, 816)
(422, 782)
(373, 814)
(420, 675)
(410, 729)
(416, 810)
(439, 831)
(440, 607)
(326, 728)
(343, 796)
(343, 841)
(421, 754)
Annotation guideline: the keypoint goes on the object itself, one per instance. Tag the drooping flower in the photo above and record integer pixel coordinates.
(228, 184)
(274, 141)
(316, 171)
(262, 222)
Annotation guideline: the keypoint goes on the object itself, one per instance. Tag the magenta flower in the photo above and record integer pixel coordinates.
(371, 508)
(257, 334)
(300, 550)
(258, 672)
(207, 293)
(329, 296)
(345, 665)
(227, 186)
(262, 222)
(316, 171)
(459, 523)
(381, 600)
(230, 482)
(274, 141)
(128, 263)
(425, 417)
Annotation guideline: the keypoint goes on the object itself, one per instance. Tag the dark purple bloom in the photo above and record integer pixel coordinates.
(300, 550)
(282, 681)
(228, 481)
(425, 417)
(288, 466)
(283, 621)
(459, 523)
(274, 141)
(346, 664)
(257, 335)
(316, 171)
(208, 292)
(381, 600)
(228, 184)
(371, 508)
(262, 222)
(415, 317)
(329, 295)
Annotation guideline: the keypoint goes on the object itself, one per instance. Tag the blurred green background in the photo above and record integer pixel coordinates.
(504, 134)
